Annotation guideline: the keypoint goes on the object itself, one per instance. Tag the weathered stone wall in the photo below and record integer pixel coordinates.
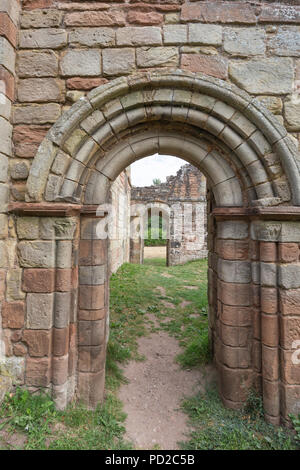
(10, 272)
(67, 48)
(185, 219)
(119, 240)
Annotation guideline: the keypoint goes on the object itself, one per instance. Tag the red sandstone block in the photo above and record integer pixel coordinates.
(256, 295)
(271, 398)
(73, 360)
(95, 18)
(60, 341)
(235, 383)
(38, 342)
(235, 357)
(210, 65)
(60, 366)
(8, 29)
(92, 314)
(234, 336)
(232, 249)
(254, 250)
(290, 368)
(13, 314)
(256, 355)
(91, 333)
(288, 252)
(290, 398)
(139, 17)
(91, 387)
(236, 316)
(289, 301)
(289, 331)
(92, 252)
(234, 294)
(268, 251)
(91, 297)
(27, 139)
(75, 277)
(20, 350)
(270, 363)
(9, 81)
(72, 335)
(38, 371)
(269, 330)
(63, 280)
(34, 4)
(219, 12)
(269, 299)
(84, 6)
(256, 324)
(91, 358)
(80, 83)
(39, 280)
(16, 336)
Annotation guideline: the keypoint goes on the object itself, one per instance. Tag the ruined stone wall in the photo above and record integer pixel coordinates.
(12, 307)
(54, 287)
(119, 241)
(185, 217)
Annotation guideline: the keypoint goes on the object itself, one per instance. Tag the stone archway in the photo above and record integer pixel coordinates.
(252, 170)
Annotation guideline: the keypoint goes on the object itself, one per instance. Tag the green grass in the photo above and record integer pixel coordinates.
(134, 295)
(35, 418)
(219, 428)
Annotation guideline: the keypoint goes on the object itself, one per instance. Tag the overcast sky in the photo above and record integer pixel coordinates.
(157, 166)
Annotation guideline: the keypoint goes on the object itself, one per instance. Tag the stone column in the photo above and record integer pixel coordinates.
(47, 254)
(93, 312)
(231, 265)
(9, 19)
(280, 316)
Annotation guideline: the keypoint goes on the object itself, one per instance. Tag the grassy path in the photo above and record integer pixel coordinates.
(176, 298)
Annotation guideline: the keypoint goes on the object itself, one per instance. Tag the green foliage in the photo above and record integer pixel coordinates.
(254, 406)
(102, 429)
(219, 428)
(296, 423)
(156, 181)
(196, 351)
(31, 414)
(155, 242)
(76, 428)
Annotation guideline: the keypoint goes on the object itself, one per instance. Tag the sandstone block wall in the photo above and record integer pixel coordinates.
(182, 202)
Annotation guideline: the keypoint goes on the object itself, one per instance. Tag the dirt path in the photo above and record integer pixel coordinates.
(153, 395)
(155, 252)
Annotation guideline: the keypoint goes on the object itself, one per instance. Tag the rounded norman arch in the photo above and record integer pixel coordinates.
(99, 136)
(252, 168)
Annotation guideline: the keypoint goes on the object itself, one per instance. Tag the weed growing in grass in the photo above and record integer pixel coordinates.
(296, 423)
(32, 414)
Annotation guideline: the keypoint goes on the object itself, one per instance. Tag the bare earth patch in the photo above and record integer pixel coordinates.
(155, 252)
(161, 290)
(153, 395)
